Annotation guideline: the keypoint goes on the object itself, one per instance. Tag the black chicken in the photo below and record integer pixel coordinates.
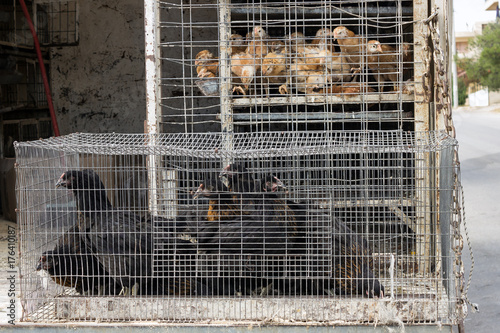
(268, 205)
(241, 242)
(122, 242)
(221, 203)
(70, 264)
(353, 264)
(352, 256)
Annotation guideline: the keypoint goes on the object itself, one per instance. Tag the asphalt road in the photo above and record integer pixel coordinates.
(478, 134)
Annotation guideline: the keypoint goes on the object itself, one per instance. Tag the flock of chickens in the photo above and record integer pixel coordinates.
(310, 68)
(250, 239)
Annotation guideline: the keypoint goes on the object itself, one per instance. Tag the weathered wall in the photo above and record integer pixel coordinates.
(98, 85)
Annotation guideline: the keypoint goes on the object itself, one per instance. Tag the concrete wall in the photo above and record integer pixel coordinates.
(479, 98)
(494, 97)
(98, 85)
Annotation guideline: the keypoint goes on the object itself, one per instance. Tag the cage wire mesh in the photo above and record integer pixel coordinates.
(283, 227)
(286, 65)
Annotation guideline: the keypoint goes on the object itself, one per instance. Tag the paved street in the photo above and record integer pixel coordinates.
(478, 133)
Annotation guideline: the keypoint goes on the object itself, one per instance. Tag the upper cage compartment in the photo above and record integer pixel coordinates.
(287, 65)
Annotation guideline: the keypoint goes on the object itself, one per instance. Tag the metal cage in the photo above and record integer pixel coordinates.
(252, 66)
(309, 228)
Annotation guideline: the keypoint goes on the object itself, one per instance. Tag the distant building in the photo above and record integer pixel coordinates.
(478, 95)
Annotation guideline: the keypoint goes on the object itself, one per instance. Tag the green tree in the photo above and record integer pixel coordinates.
(462, 91)
(485, 67)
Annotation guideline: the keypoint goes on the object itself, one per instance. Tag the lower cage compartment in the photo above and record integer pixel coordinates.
(421, 305)
(300, 228)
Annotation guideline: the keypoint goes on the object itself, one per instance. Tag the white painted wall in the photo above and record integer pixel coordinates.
(479, 98)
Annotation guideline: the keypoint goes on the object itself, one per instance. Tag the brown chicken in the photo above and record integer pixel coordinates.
(305, 77)
(351, 45)
(306, 80)
(323, 39)
(348, 89)
(244, 67)
(295, 42)
(257, 47)
(207, 65)
(384, 64)
(237, 43)
(407, 52)
(274, 70)
(408, 87)
(338, 69)
(303, 53)
(276, 45)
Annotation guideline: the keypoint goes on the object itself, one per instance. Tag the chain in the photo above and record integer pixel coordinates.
(443, 98)
(443, 105)
(426, 76)
(459, 190)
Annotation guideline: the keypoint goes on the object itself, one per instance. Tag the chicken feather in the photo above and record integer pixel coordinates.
(207, 65)
(243, 66)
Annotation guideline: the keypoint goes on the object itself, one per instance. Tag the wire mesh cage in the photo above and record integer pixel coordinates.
(250, 66)
(278, 227)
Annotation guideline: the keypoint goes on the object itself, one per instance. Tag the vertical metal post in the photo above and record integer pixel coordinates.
(153, 93)
(443, 25)
(225, 76)
(422, 126)
(454, 73)
(446, 172)
(420, 12)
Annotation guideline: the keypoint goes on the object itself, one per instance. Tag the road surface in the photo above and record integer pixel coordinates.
(478, 134)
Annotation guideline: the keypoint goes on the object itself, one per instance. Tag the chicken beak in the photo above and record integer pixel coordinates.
(379, 48)
(278, 185)
(223, 176)
(42, 260)
(199, 191)
(225, 180)
(61, 182)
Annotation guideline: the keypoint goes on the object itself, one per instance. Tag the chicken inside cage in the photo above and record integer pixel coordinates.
(289, 65)
(279, 217)
(259, 235)
(312, 49)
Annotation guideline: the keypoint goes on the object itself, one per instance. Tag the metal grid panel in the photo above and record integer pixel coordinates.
(224, 245)
(251, 66)
(14, 29)
(57, 22)
(27, 90)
